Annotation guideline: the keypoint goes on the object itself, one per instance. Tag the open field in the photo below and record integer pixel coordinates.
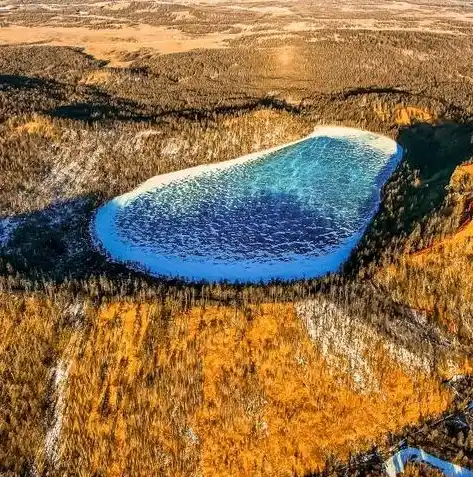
(105, 371)
(112, 31)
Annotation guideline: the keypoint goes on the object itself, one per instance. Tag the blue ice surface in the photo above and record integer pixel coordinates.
(296, 212)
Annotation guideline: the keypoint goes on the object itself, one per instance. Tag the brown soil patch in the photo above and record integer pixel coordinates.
(96, 78)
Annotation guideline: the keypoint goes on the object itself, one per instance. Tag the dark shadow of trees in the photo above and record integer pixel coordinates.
(418, 187)
(44, 248)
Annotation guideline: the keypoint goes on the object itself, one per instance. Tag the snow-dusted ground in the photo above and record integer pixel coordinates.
(7, 227)
(139, 228)
(395, 465)
(350, 343)
(51, 444)
(347, 343)
(59, 382)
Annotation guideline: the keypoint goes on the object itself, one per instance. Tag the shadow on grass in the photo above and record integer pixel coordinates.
(103, 106)
(54, 247)
(24, 82)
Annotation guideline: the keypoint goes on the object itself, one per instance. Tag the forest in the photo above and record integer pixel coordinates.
(106, 371)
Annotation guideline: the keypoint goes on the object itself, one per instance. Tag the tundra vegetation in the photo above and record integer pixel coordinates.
(104, 371)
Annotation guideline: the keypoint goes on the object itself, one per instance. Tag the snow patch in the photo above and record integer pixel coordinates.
(396, 464)
(8, 226)
(410, 361)
(347, 343)
(172, 148)
(60, 375)
(343, 342)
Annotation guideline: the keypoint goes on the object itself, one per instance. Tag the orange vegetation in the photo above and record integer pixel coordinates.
(39, 125)
(403, 115)
(222, 392)
(462, 178)
(29, 344)
(423, 279)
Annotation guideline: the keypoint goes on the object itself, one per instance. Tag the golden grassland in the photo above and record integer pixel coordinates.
(431, 278)
(111, 44)
(117, 31)
(223, 392)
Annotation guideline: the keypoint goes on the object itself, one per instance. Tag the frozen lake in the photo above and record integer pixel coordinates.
(291, 212)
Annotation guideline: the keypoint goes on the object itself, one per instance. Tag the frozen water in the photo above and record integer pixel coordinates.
(396, 464)
(290, 212)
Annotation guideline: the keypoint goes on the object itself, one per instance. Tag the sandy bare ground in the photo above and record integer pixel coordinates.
(110, 44)
(457, 10)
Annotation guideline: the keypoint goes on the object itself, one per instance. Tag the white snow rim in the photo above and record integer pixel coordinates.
(106, 238)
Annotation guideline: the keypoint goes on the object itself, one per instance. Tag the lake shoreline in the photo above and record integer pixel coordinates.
(106, 238)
